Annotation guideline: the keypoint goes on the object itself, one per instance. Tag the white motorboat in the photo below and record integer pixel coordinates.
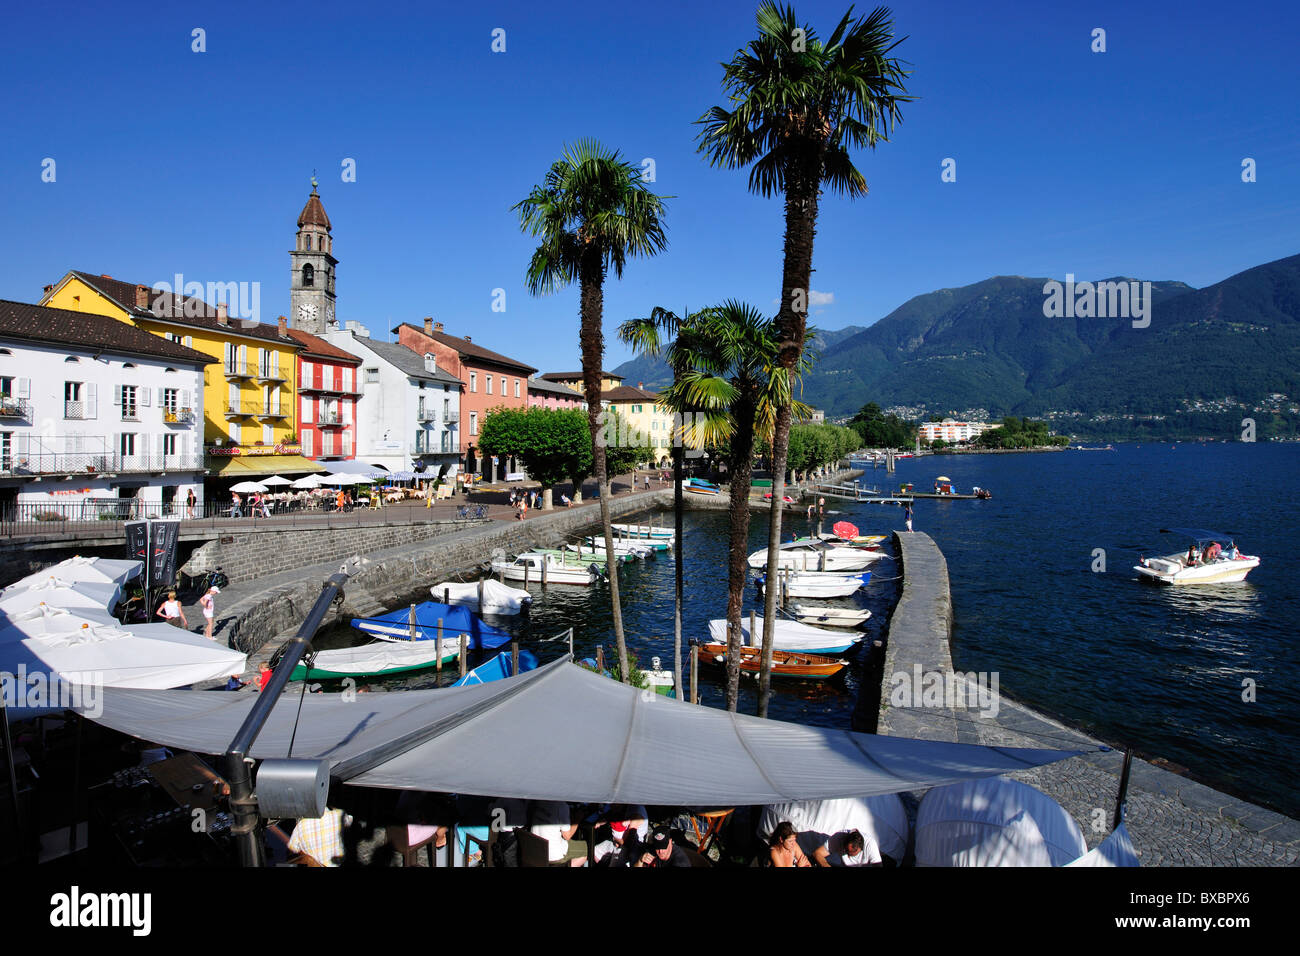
(820, 584)
(825, 616)
(790, 636)
(1212, 558)
(626, 550)
(809, 554)
(498, 598)
(642, 531)
(533, 568)
(871, 542)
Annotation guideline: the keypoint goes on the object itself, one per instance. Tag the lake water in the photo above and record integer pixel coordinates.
(1159, 669)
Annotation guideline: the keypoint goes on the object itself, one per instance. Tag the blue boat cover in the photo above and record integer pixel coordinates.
(499, 668)
(455, 622)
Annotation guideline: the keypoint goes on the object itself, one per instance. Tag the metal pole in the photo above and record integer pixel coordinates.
(243, 803)
(76, 785)
(1123, 787)
(13, 774)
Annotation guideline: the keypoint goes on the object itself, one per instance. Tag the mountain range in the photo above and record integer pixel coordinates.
(1206, 358)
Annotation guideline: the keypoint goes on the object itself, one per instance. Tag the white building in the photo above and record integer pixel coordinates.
(94, 411)
(408, 411)
(953, 431)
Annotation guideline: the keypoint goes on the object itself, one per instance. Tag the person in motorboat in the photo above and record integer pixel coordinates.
(1190, 560)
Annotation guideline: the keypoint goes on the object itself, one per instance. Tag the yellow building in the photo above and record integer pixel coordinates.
(249, 399)
(574, 380)
(641, 412)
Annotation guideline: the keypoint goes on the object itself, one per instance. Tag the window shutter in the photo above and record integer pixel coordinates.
(24, 388)
(20, 445)
(117, 394)
(189, 341)
(92, 410)
(162, 398)
(144, 397)
(162, 450)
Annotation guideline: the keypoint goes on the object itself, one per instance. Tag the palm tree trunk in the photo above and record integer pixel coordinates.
(593, 355)
(803, 182)
(742, 466)
(679, 452)
(780, 448)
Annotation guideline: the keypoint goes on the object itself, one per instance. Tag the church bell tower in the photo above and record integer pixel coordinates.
(312, 264)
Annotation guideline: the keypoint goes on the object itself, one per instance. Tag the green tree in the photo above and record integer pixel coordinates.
(592, 212)
(797, 106)
(553, 444)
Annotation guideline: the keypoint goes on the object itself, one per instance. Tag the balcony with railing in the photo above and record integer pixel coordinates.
(426, 415)
(451, 416)
(130, 413)
(177, 416)
(41, 460)
(329, 420)
(77, 411)
(240, 369)
(269, 373)
(18, 408)
(326, 386)
(273, 410)
(241, 409)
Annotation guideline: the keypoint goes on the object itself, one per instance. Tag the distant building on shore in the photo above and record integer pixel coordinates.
(953, 431)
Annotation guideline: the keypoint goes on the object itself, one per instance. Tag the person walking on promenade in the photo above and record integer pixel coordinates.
(235, 502)
(171, 611)
(647, 482)
(209, 611)
(190, 503)
(907, 515)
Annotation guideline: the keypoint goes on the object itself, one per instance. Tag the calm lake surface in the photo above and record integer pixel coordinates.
(1159, 669)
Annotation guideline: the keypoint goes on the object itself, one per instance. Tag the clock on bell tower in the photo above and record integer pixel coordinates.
(312, 265)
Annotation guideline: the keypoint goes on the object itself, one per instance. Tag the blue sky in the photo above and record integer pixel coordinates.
(1126, 162)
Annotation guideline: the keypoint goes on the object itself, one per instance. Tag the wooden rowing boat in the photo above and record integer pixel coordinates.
(788, 664)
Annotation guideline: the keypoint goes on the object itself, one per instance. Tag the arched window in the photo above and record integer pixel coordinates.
(308, 274)
(72, 358)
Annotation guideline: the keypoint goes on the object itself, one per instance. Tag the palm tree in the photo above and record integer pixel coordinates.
(592, 212)
(797, 106)
(723, 359)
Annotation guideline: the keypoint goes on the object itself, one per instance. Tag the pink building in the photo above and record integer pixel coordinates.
(544, 394)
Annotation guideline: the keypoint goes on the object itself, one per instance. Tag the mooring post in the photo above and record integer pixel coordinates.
(438, 649)
(464, 641)
(411, 624)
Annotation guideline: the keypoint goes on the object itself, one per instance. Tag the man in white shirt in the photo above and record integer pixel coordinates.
(848, 848)
(551, 823)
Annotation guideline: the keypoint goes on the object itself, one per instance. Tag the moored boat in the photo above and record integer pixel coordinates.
(810, 554)
(825, 584)
(497, 598)
(785, 664)
(790, 636)
(533, 568)
(642, 531)
(824, 616)
(433, 619)
(379, 659)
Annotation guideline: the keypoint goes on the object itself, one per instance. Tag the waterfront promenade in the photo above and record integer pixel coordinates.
(1173, 821)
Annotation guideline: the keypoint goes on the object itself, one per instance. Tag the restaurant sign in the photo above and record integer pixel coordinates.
(233, 451)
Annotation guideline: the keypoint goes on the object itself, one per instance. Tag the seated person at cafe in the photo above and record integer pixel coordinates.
(785, 846)
(661, 851)
(550, 821)
(628, 828)
(847, 848)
